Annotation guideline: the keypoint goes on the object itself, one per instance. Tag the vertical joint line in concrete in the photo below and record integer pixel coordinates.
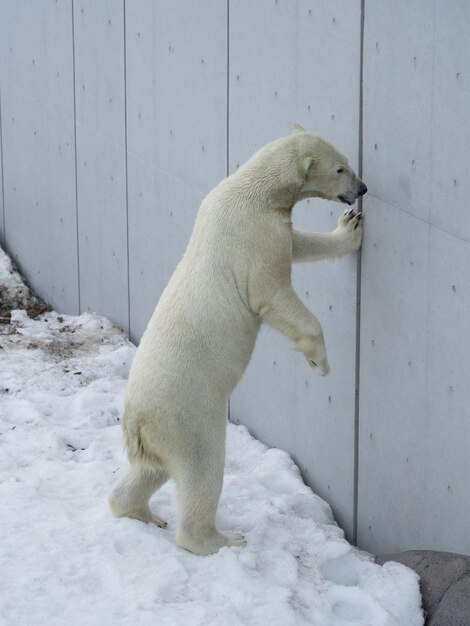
(4, 237)
(358, 287)
(126, 172)
(228, 118)
(228, 84)
(75, 149)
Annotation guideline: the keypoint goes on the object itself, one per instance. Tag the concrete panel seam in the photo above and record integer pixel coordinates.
(228, 84)
(75, 153)
(126, 171)
(433, 100)
(4, 237)
(227, 104)
(358, 286)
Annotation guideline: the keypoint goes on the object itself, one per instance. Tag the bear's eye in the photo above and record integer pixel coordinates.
(340, 170)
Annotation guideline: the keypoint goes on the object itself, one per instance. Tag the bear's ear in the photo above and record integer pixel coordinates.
(308, 163)
(297, 128)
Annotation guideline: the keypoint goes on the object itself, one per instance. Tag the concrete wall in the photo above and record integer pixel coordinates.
(118, 117)
(38, 145)
(414, 439)
(100, 115)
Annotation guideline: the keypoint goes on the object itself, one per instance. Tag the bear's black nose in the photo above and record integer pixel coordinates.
(362, 190)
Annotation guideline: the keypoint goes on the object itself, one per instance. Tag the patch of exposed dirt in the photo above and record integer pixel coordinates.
(16, 295)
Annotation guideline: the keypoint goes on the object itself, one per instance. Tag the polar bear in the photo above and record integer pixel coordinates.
(235, 275)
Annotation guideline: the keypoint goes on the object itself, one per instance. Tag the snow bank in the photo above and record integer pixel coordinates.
(66, 560)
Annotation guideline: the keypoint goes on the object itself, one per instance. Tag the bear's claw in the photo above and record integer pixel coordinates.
(350, 220)
(235, 539)
(358, 219)
(154, 519)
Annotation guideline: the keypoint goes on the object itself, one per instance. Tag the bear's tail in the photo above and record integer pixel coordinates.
(138, 451)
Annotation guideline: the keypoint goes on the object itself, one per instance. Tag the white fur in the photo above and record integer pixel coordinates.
(234, 275)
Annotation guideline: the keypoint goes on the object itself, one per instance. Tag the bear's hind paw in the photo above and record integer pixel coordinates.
(210, 543)
(154, 519)
(146, 516)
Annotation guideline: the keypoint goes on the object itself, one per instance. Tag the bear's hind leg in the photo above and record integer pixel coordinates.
(130, 496)
(198, 495)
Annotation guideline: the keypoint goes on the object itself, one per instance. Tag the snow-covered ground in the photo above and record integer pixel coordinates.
(66, 561)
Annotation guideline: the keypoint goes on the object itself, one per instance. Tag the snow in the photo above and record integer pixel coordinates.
(66, 561)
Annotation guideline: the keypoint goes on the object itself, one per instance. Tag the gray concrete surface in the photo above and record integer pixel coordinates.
(100, 106)
(38, 146)
(414, 433)
(444, 582)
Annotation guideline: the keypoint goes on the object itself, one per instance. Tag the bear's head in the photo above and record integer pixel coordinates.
(327, 173)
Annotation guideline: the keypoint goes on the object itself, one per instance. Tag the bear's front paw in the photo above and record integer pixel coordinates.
(321, 367)
(313, 348)
(350, 221)
(350, 228)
